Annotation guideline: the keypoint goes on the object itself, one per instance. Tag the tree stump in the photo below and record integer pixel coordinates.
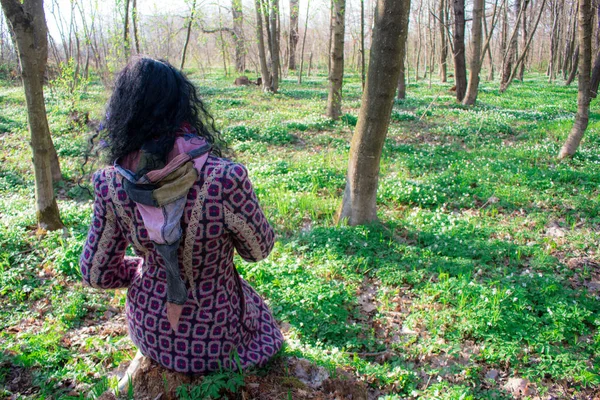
(151, 381)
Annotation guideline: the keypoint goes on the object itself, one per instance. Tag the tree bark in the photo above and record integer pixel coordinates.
(336, 76)
(504, 34)
(363, 71)
(28, 23)
(238, 35)
(583, 97)
(595, 81)
(553, 43)
(359, 202)
(274, 14)
(574, 68)
(443, 42)
(476, 38)
(294, 34)
(460, 67)
(596, 70)
(264, 69)
(40, 37)
(404, 22)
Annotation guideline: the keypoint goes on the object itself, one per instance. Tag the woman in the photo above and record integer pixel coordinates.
(183, 209)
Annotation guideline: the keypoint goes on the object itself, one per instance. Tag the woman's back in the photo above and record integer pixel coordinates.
(226, 315)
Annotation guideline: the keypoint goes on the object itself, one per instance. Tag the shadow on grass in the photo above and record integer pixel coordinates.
(469, 287)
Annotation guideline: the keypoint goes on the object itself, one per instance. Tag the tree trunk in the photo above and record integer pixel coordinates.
(419, 42)
(460, 67)
(223, 44)
(134, 22)
(265, 13)
(596, 70)
(488, 37)
(238, 35)
(336, 76)
(359, 202)
(570, 48)
(264, 69)
(521, 58)
(330, 40)
(274, 13)
(363, 75)
(443, 42)
(504, 35)
(476, 37)
(294, 34)
(595, 81)
(304, 43)
(188, 34)
(28, 23)
(404, 22)
(511, 53)
(521, 73)
(126, 29)
(574, 68)
(553, 43)
(585, 65)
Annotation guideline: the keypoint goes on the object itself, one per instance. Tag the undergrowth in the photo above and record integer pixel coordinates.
(485, 258)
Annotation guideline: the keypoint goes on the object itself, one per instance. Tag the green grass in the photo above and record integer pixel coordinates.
(466, 272)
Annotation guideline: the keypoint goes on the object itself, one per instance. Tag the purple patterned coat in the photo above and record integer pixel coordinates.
(221, 213)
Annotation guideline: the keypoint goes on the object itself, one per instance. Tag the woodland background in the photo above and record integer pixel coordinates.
(478, 276)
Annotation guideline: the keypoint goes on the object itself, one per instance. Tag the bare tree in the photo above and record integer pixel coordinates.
(585, 65)
(443, 41)
(304, 43)
(336, 76)
(404, 22)
(571, 44)
(521, 58)
(511, 52)
(488, 37)
(574, 68)
(126, 29)
(190, 22)
(264, 69)
(460, 67)
(362, 43)
(595, 82)
(359, 202)
(274, 40)
(28, 24)
(476, 37)
(521, 73)
(294, 35)
(238, 35)
(554, 39)
(134, 22)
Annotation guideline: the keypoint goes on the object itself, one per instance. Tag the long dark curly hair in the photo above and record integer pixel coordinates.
(151, 100)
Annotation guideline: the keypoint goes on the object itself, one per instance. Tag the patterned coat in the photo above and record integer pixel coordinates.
(221, 213)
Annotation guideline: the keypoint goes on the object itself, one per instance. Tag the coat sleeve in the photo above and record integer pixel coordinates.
(253, 236)
(103, 262)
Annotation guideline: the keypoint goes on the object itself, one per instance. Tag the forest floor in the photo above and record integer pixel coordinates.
(481, 281)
